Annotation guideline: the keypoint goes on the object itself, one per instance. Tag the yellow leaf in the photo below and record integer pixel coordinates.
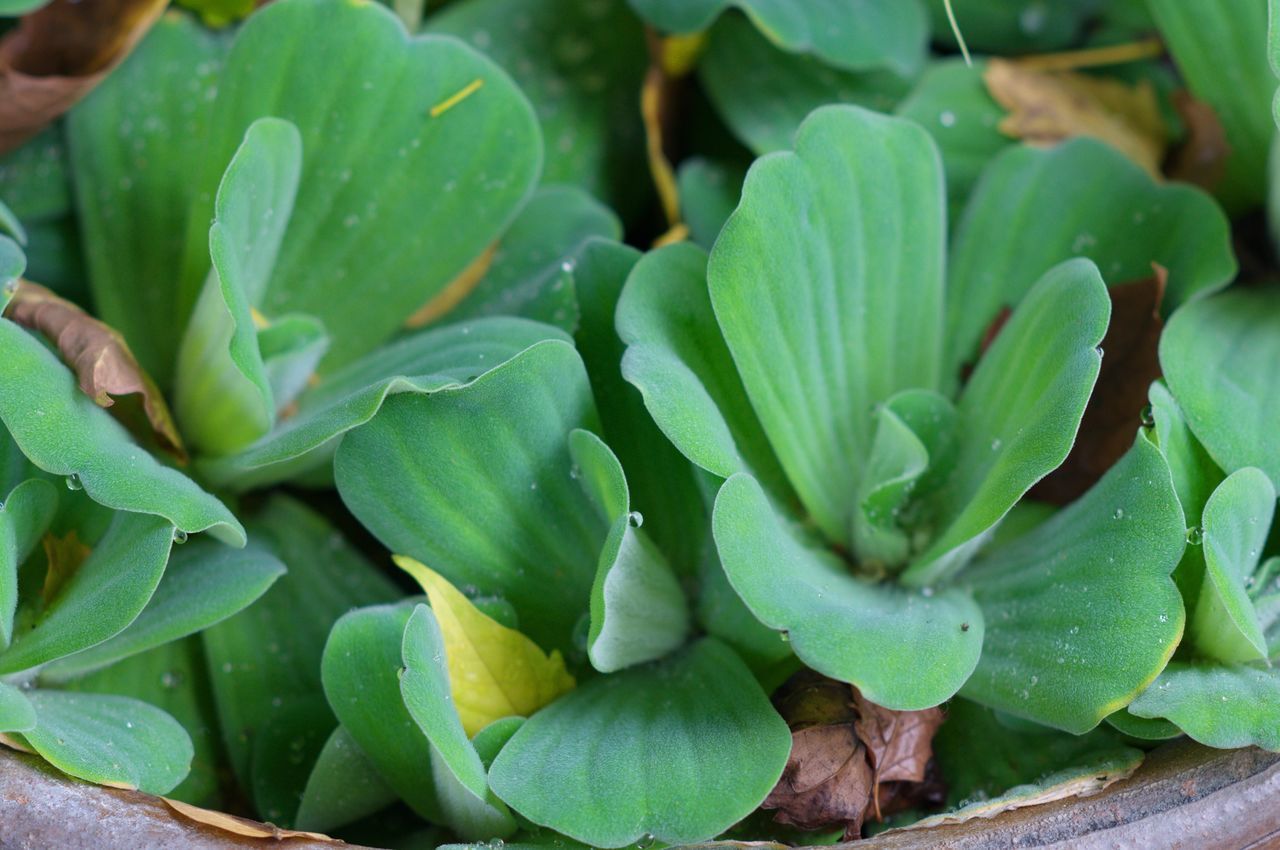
(1047, 107)
(494, 671)
(65, 555)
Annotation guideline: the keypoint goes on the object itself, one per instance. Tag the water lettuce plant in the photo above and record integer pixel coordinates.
(625, 423)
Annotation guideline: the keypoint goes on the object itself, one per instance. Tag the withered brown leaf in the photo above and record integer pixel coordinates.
(58, 53)
(827, 780)
(1047, 107)
(98, 354)
(236, 825)
(899, 743)
(850, 758)
(1201, 158)
(1130, 362)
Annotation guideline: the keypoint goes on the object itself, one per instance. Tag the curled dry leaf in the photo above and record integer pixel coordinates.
(241, 826)
(58, 53)
(98, 354)
(827, 781)
(1048, 107)
(850, 758)
(1130, 362)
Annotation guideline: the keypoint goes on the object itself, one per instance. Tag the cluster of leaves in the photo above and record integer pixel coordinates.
(928, 396)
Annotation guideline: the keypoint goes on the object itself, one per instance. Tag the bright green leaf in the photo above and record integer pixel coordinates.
(111, 740)
(1081, 612)
(204, 584)
(1237, 518)
(1218, 355)
(1220, 705)
(24, 515)
(1104, 207)
(859, 202)
(841, 625)
(679, 750)
(486, 495)
(1019, 413)
(344, 786)
(106, 594)
(223, 398)
(64, 432)
(16, 712)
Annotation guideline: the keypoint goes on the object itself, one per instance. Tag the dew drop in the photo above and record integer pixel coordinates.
(1148, 417)
(1119, 514)
(179, 536)
(73, 482)
(947, 119)
(1195, 536)
(635, 519)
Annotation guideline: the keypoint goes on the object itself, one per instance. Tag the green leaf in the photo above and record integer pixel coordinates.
(950, 100)
(709, 192)
(678, 360)
(204, 584)
(763, 94)
(661, 480)
(841, 625)
(856, 34)
(1019, 412)
(19, 7)
(173, 679)
(425, 687)
(1236, 521)
(638, 609)
(485, 495)
(10, 223)
(344, 786)
(266, 659)
(1106, 208)
(581, 65)
(16, 712)
(361, 673)
(1195, 475)
(677, 751)
(914, 436)
(1217, 354)
(64, 432)
(867, 192)
(13, 262)
(1142, 728)
(490, 740)
(417, 153)
(983, 756)
(530, 274)
(1014, 26)
(24, 515)
(284, 750)
(1081, 612)
(136, 145)
(1221, 52)
(426, 361)
(1220, 705)
(110, 739)
(223, 397)
(104, 596)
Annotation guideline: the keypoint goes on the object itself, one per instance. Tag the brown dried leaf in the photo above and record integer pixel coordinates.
(1130, 362)
(1201, 159)
(899, 743)
(64, 556)
(241, 826)
(1048, 107)
(827, 780)
(97, 353)
(58, 53)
